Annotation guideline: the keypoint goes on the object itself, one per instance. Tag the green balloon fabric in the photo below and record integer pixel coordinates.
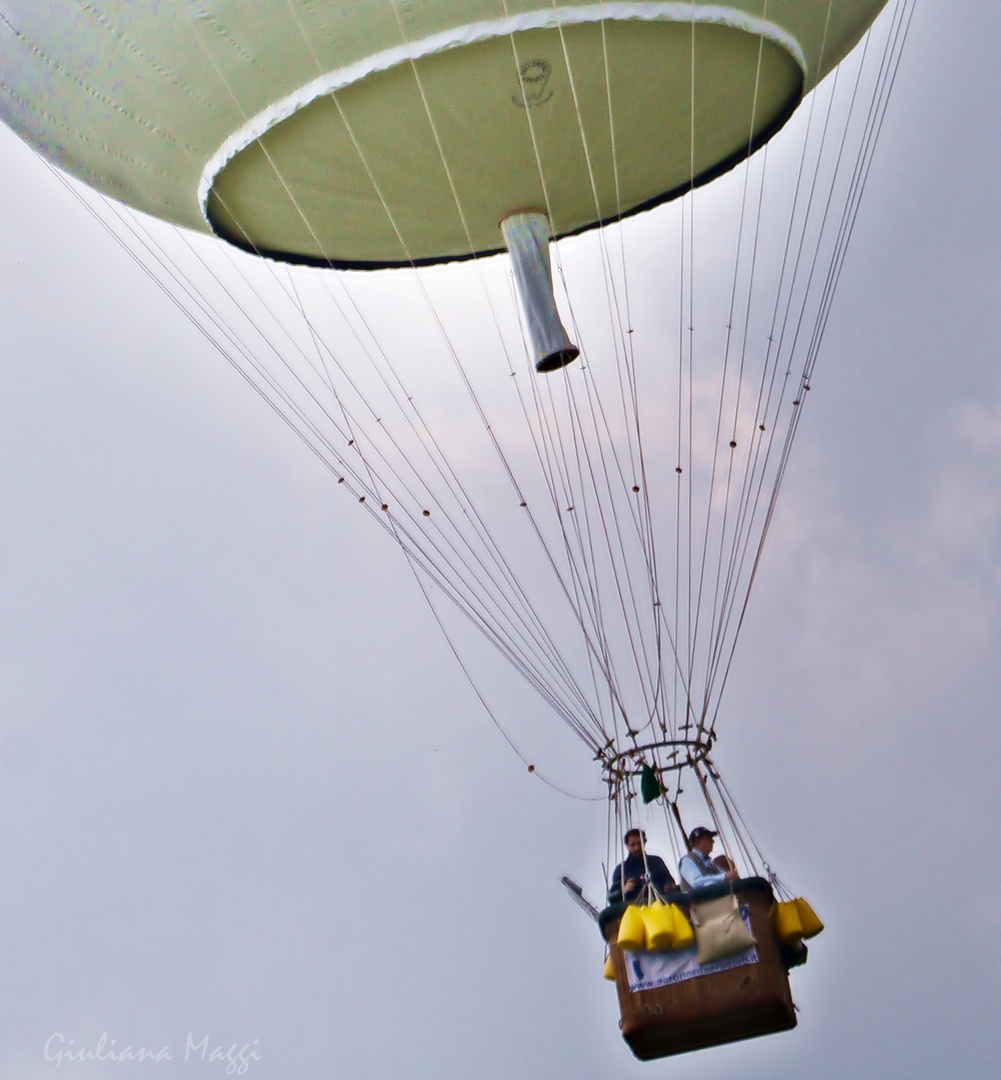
(395, 132)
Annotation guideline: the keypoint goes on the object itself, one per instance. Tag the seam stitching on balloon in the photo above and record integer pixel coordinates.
(673, 11)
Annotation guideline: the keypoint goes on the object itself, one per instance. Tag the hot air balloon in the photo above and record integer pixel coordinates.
(583, 462)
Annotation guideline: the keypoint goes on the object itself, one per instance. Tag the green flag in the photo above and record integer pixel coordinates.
(650, 785)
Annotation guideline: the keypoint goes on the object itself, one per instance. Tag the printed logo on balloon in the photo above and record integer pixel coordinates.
(535, 88)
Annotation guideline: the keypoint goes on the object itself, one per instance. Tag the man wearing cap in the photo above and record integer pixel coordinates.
(697, 869)
(632, 877)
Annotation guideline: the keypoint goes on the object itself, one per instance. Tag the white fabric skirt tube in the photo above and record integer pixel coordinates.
(527, 239)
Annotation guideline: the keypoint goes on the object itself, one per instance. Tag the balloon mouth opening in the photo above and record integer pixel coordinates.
(556, 360)
(293, 185)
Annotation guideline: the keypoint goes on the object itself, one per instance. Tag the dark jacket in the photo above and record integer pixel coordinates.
(655, 872)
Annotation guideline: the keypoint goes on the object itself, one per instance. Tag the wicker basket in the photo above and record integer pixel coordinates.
(703, 1010)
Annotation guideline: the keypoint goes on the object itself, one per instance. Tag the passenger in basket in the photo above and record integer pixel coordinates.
(643, 874)
(697, 868)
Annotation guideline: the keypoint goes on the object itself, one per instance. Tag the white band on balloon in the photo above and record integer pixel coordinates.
(668, 11)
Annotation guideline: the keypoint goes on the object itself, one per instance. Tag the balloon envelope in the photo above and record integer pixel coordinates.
(601, 527)
(388, 133)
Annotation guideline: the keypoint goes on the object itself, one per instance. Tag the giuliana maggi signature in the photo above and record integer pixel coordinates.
(233, 1059)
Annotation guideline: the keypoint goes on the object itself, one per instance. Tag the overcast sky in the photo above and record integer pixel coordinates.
(246, 793)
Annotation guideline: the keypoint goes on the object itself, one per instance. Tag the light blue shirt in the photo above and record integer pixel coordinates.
(698, 870)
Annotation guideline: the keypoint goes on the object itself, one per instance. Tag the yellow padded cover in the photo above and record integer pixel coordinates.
(808, 918)
(684, 935)
(659, 922)
(632, 930)
(786, 920)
